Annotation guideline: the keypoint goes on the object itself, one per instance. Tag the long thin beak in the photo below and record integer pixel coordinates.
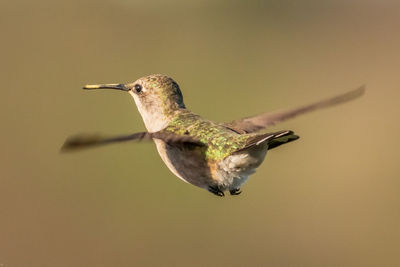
(115, 86)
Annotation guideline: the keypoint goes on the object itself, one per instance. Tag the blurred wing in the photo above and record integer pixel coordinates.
(86, 141)
(256, 123)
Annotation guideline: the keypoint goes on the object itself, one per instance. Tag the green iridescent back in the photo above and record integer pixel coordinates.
(220, 141)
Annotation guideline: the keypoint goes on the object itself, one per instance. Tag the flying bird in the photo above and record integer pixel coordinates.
(215, 156)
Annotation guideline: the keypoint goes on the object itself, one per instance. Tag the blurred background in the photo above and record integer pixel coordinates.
(330, 199)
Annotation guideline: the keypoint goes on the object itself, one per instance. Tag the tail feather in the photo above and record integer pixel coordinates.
(271, 139)
(275, 142)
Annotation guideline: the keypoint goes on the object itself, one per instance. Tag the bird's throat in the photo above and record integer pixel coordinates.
(156, 116)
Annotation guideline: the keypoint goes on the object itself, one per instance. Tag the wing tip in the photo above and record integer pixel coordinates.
(78, 142)
(356, 93)
(361, 90)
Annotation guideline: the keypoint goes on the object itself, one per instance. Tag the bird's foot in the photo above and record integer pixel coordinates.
(235, 191)
(216, 191)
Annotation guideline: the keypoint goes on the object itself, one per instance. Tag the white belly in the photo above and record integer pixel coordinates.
(236, 169)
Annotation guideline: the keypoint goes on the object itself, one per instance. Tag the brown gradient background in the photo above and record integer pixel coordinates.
(330, 199)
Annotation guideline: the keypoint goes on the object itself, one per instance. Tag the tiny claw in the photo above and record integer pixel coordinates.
(235, 191)
(216, 191)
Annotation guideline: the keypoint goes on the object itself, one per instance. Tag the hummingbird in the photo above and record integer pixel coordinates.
(217, 157)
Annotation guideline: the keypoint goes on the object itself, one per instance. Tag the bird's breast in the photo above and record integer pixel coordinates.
(189, 165)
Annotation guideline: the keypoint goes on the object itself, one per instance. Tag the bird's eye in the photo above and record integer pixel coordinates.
(138, 88)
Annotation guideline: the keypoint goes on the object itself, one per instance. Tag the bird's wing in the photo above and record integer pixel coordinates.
(262, 121)
(92, 140)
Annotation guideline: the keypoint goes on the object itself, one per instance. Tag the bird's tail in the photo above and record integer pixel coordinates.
(283, 138)
(271, 139)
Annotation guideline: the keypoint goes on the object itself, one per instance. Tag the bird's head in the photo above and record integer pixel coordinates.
(157, 98)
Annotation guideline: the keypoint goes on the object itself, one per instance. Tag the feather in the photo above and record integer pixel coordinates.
(262, 121)
(92, 140)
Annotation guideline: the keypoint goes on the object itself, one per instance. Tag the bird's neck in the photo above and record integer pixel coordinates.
(157, 112)
(157, 119)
